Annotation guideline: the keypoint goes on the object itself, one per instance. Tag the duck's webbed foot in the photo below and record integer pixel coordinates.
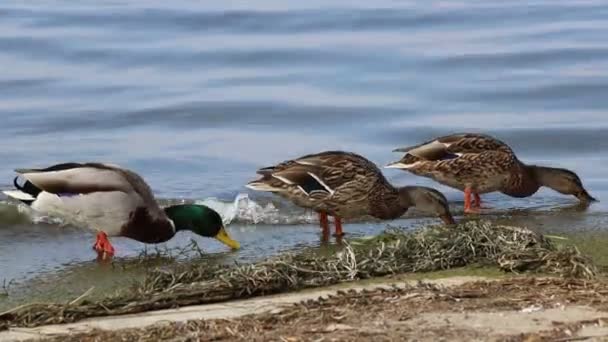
(104, 248)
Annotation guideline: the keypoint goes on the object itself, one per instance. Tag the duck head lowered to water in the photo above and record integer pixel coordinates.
(346, 185)
(478, 164)
(112, 201)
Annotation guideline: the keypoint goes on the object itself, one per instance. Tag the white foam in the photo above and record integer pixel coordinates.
(227, 210)
(37, 217)
(245, 210)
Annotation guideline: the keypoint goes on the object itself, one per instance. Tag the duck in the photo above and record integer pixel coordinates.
(111, 201)
(345, 185)
(478, 164)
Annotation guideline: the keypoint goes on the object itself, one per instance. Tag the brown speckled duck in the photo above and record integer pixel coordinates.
(478, 164)
(346, 185)
(112, 201)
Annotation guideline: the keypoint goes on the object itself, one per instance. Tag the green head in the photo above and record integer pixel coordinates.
(201, 220)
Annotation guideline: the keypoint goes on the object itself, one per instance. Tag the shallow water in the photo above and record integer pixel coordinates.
(195, 96)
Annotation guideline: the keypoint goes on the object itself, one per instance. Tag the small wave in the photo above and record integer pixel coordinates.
(12, 213)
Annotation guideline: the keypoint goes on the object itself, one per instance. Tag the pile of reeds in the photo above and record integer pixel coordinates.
(435, 248)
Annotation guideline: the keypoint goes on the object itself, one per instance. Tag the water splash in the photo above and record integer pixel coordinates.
(15, 213)
(246, 210)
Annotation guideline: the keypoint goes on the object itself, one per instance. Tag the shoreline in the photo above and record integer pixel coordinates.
(445, 274)
(226, 310)
(461, 308)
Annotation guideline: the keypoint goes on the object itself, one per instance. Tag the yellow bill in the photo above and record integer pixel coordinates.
(224, 238)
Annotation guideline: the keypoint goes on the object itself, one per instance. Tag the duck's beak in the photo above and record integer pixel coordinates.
(447, 219)
(584, 197)
(224, 238)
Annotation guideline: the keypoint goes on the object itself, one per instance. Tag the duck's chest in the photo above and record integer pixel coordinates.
(520, 184)
(145, 227)
(384, 204)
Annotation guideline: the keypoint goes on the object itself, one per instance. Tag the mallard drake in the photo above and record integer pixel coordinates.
(345, 185)
(479, 164)
(112, 201)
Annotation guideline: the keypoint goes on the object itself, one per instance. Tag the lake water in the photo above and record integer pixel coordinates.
(195, 96)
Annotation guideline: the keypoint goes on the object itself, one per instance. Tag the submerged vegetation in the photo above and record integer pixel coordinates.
(511, 249)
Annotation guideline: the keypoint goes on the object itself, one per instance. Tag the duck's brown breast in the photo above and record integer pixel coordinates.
(145, 228)
(520, 183)
(383, 202)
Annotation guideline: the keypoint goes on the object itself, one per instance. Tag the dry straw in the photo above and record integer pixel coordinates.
(511, 249)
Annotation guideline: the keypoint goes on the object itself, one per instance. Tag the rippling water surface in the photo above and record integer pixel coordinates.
(196, 95)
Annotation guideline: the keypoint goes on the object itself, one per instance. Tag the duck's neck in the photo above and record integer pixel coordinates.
(148, 228)
(199, 219)
(532, 177)
(387, 204)
(189, 216)
(542, 175)
(553, 178)
(180, 216)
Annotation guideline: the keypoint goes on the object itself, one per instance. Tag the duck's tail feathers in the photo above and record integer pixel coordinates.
(20, 195)
(266, 170)
(25, 193)
(260, 185)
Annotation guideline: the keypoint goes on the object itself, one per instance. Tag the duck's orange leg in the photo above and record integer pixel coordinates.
(104, 248)
(338, 224)
(477, 204)
(324, 223)
(468, 208)
(477, 201)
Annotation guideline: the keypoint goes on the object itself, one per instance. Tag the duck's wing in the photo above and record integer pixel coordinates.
(306, 179)
(318, 174)
(275, 168)
(316, 159)
(455, 145)
(77, 178)
(337, 168)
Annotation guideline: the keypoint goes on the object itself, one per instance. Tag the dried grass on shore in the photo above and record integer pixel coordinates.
(512, 249)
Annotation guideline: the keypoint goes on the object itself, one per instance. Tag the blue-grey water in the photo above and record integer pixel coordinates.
(195, 96)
